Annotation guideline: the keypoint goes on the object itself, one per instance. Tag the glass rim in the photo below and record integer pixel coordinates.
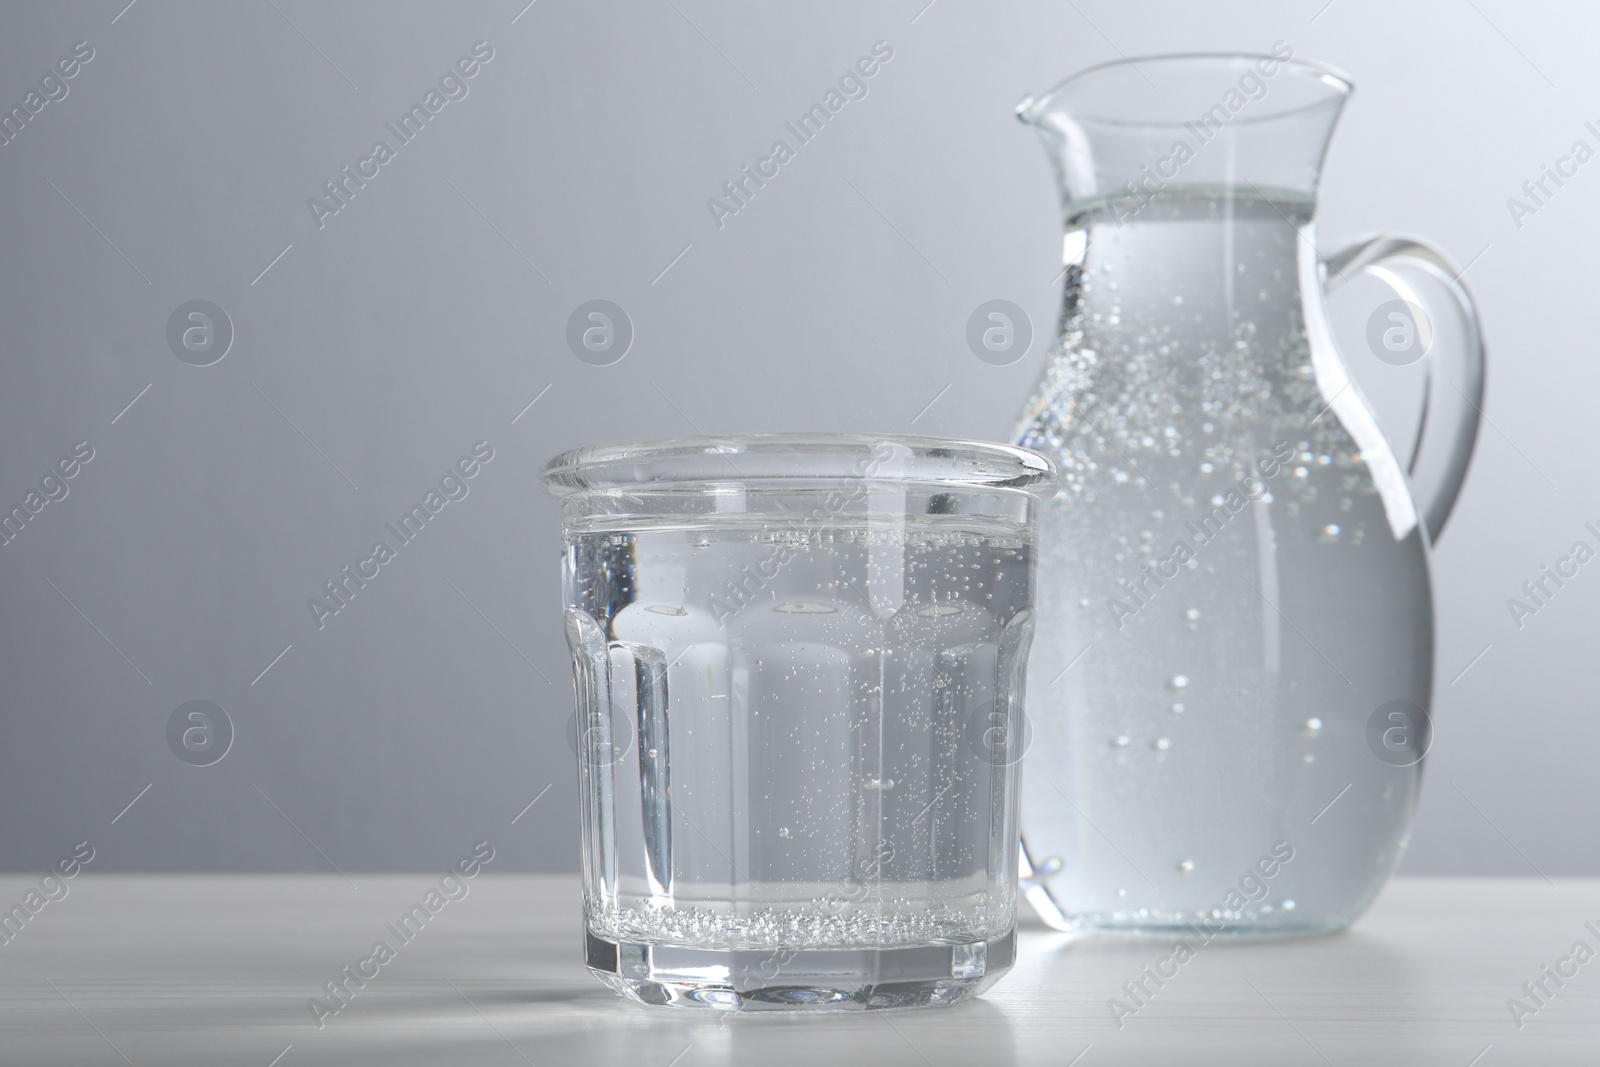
(794, 459)
(1033, 107)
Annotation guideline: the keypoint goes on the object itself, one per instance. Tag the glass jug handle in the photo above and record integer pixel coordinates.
(1435, 311)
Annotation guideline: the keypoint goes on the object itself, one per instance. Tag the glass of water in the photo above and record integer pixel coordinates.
(799, 667)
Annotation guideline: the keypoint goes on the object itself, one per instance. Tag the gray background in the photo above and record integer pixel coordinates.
(429, 312)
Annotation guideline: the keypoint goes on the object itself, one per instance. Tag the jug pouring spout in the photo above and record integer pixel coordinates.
(1130, 130)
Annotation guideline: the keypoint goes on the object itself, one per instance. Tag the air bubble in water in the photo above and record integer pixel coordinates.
(1185, 866)
(1313, 726)
(1121, 742)
(1178, 681)
(1329, 533)
(1177, 709)
(1161, 744)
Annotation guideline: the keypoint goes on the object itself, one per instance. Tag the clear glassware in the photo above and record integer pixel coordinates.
(799, 671)
(1235, 648)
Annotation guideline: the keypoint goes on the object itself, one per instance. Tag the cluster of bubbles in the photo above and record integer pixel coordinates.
(820, 923)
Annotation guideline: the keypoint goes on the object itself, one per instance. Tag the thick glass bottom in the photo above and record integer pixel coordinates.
(1203, 926)
(810, 980)
(1167, 928)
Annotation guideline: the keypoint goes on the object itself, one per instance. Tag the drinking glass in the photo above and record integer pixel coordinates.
(799, 668)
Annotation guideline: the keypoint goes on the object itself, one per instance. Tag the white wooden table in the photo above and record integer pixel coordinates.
(218, 970)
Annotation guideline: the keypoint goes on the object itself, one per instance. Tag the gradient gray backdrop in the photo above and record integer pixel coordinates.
(430, 311)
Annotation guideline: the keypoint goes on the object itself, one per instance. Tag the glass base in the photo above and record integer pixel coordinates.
(811, 980)
(1206, 930)
(1183, 925)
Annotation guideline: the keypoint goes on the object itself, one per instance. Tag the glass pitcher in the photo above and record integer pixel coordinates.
(1234, 656)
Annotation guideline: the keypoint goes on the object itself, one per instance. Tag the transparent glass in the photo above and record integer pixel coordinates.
(1235, 647)
(799, 671)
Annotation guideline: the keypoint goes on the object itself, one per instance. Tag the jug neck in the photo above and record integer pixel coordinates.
(1128, 133)
(1200, 304)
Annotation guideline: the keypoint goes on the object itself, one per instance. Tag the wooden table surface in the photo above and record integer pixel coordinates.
(213, 970)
